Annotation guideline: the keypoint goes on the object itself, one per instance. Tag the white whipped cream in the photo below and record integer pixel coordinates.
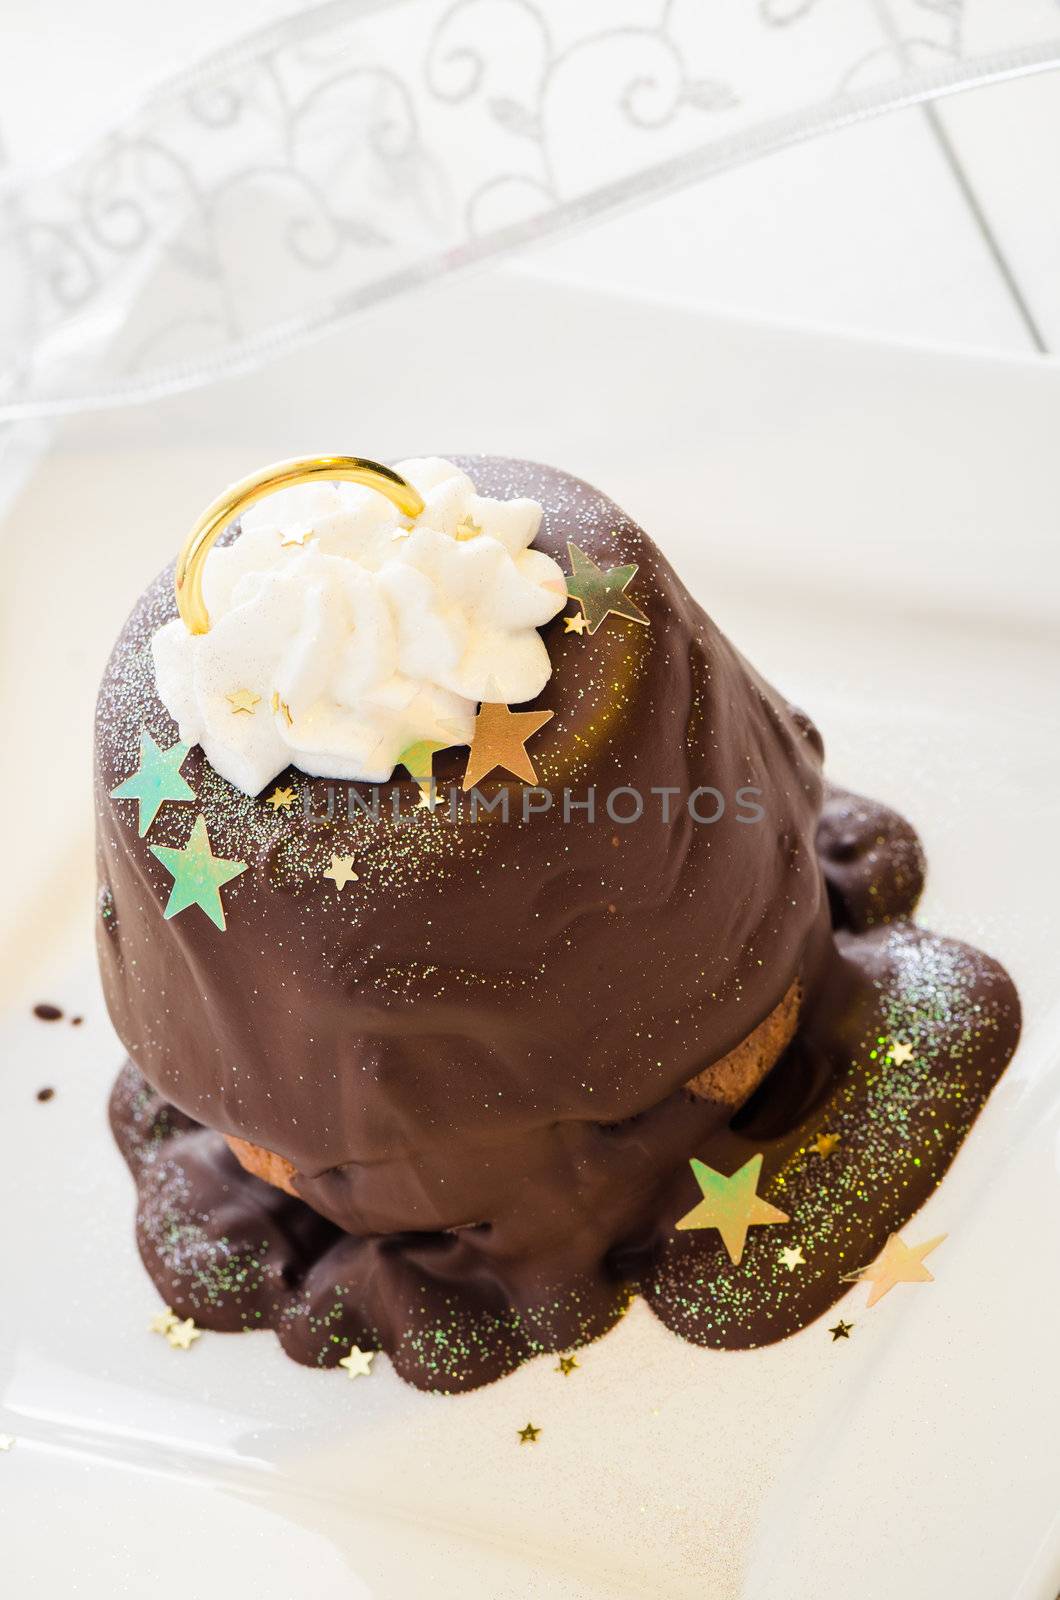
(368, 636)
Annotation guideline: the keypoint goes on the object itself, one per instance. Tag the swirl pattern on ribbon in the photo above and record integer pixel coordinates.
(354, 152)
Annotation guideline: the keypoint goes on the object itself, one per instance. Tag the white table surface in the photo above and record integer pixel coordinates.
(938, 225)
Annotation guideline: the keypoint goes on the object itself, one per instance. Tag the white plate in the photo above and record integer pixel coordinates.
(876, 528)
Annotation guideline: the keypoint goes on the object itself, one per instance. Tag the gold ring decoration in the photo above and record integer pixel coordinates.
(240, 496)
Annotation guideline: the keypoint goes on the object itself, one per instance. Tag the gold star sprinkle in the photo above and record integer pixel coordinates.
(182, 1335)
(529, 1434)
(825, 1143)
(243, 700)
(601, 594)
(279, 705)
(731, 1205)
(280, 799)
(164, 1321)
(467, 529)
(575, 624)
(499, 740)
(792, 1257)
(901, 1053)
(841, 1330)
(297, 536)
(341, 871)
(897, 1262)
(358, 1364)
(567, 1365)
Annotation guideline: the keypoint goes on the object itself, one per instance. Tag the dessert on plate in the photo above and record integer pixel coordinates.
(487, 944)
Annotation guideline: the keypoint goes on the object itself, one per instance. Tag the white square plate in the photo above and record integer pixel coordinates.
(876, 528)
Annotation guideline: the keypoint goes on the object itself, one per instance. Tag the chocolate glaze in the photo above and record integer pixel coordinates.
(900, 1127)
(475, 1057)
(873, 861)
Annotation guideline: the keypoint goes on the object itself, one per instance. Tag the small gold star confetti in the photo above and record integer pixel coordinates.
(575, 624)
(279, 705)
(567, 1365)
(164, 1321)
(901, 1053)
(197, 874)
(280, 799)
(528, 1435)
(792, 1257)
(358, 1364)
(467, 529)
(731, 1205)
(156, 780)
(499, 740)
(243, 700)
(182, 1335)
(601, 594)
(297, 536)
(897, 1262)
(7, 1442)
(341, 871)
(841, 1330)
(825, 1144)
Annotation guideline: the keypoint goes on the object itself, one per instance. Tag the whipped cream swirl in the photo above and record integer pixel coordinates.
(342, 634)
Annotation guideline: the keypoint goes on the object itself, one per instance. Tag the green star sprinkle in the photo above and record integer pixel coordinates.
(601, 593)
(418, 760)
(156, 780)
(197, 874)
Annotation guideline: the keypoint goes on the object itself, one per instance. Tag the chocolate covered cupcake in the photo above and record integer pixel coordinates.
(460, 886)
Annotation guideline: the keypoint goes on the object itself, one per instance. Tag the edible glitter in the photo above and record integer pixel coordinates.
(233, 1263)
